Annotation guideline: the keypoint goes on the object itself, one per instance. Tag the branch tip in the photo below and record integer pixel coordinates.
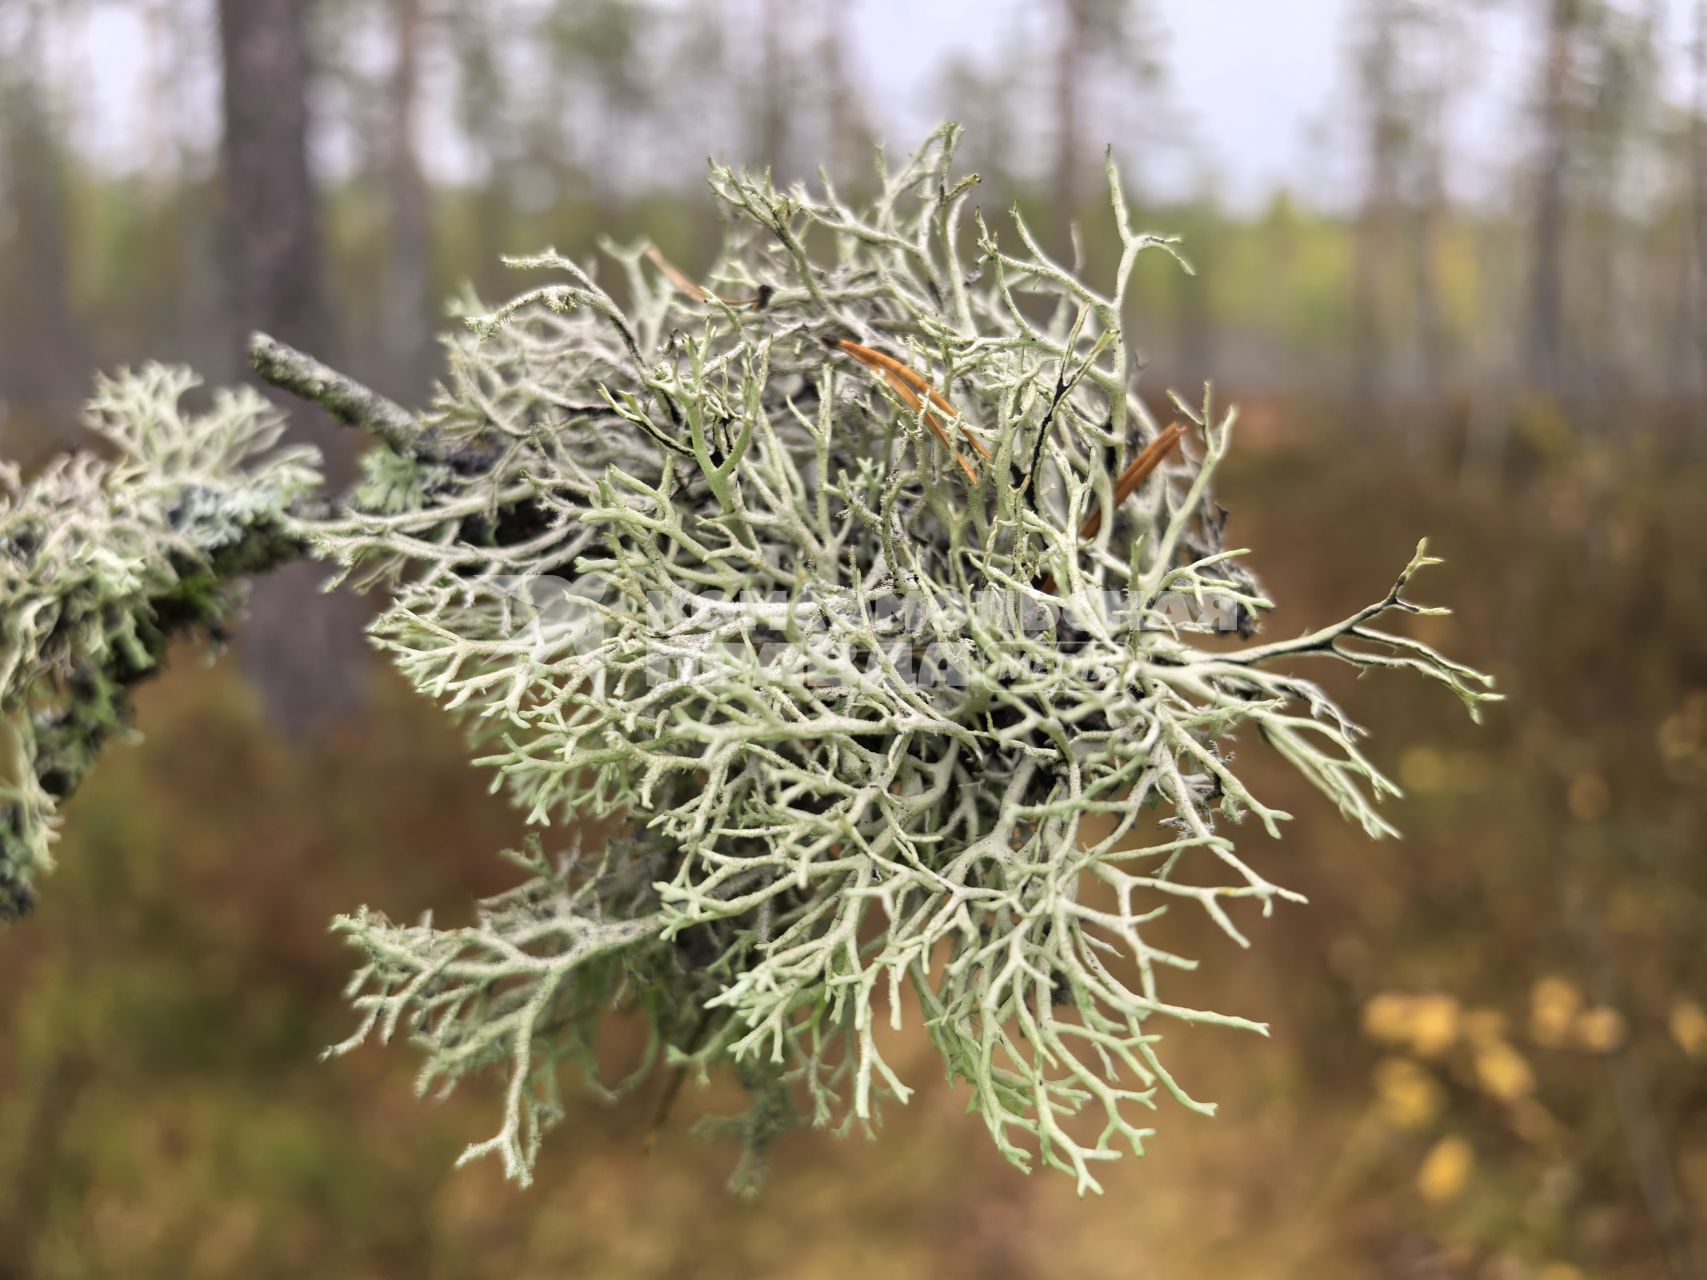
(352, 403)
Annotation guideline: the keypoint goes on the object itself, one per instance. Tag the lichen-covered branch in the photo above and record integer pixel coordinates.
(868, 617)
(347, 400)
(104, 563)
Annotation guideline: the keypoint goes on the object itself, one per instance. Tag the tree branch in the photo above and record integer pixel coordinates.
(347, 400)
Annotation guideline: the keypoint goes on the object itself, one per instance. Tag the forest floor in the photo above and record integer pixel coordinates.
(1483, 1059)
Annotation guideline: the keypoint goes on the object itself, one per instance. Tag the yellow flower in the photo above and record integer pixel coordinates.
(1683, 738)
(1503, 1073)
(1409, 1097)
(1428, 1023)
(1434, 1024)
(1677, 739)
(1387, 1018)
(1600, 1030)
(1689, 1027)
(1445, 1170)
(1553, 1005)
(1559, 1271)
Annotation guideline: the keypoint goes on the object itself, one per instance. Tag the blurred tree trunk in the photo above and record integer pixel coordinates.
(159, 111)
(848, 149)
(483, 114)
(1195, 324)
(567, 135)
(1106, 78)
(1544, 356)
(1621, 61)
(273, 231)
(181, 301)
(1427, 219)
(304, 652)
(1698, 183)
(408, 311)
(775, 78)
(43, 352)
(1373, 246)
(1443, 37)
(1070, 70)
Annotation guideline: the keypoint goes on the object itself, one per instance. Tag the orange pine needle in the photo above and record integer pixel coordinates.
(688, 285)
(1148, 459)
(910, 386)
(917, 405)
(676, 276)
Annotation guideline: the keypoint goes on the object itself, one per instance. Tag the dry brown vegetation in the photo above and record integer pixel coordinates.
(1484, 1059)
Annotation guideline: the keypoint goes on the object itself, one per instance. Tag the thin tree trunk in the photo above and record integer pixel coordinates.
(186, 306)
(1427, 219)
(408, 308)
(1545, 356)
(773, 126)
(849, 146)
(1071, 60)
(1623, 53)
(44, 356)
(1429, 212)
(1698, 177)
(304, 652)
(482, 112)
(1194, 324)
(273, 236)
(1373, 244)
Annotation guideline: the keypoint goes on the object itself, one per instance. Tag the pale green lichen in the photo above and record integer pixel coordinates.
(103, 560)
(808, 827)
(871, 740)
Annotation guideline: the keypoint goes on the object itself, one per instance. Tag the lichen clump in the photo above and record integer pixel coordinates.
(818, 589)
(104, 561)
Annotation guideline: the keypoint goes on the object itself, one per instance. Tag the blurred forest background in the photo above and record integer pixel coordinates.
(1486, 323)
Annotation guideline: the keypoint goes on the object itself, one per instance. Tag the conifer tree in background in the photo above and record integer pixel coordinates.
(299, 649)
(41, 341)
(1698, 192)
(409, 302)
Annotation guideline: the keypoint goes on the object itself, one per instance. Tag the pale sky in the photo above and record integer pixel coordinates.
(1264, 84)
(1261, 87)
